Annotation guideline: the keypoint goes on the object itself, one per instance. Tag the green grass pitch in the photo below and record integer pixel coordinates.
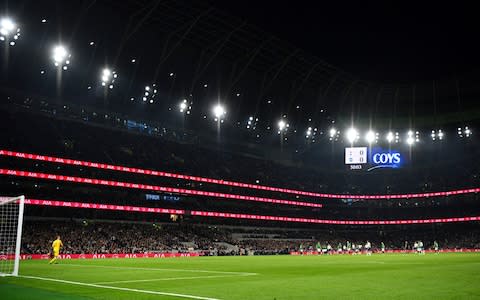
(394, 276)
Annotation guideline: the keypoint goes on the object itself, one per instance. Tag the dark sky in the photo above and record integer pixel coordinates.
(388, 40)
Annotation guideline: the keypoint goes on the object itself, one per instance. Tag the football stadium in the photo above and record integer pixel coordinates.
(174, 149)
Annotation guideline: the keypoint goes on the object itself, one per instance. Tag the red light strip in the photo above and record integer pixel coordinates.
(104, 206)
(243, 216)
(68, 161)
(151, 187)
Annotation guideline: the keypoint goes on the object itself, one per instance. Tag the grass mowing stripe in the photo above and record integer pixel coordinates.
(158, 269)
(19, 292)
(119, 288)
(170, 278)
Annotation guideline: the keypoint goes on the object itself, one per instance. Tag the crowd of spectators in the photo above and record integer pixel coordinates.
(118, 237)
(99, 237)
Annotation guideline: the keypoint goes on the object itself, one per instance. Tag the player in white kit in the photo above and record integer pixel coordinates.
(368, 247)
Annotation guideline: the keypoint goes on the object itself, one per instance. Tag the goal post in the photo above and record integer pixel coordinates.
(11, 223)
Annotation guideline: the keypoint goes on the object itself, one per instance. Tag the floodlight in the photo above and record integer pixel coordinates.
(184, 107)
(437, 134)
(108, 77)
(218, 112)
(412, 137)
(6, 25)
(440, 134)
(148, 94)
(60, 55)
(8, 28)
(282, 125)
(309, 132)
(333, 132)
(370, 137)
(251, 123)
(107, 72)
(352, 135)
(390, 137)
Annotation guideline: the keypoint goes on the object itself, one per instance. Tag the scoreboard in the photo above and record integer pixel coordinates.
(355, 155)
(372, 158)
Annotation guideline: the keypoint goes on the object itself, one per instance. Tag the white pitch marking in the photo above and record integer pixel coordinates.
(158, 269)
(171, 278)
(119, 288)
(372, 262)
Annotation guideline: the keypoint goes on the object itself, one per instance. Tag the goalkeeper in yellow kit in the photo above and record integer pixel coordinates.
(56, 245)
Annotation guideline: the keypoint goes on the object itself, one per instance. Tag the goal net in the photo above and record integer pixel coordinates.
(11, 220)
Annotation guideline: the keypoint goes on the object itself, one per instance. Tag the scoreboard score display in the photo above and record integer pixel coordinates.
(369, 159)
(355, 155)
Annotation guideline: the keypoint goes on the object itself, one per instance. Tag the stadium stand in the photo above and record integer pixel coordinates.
(100, 236)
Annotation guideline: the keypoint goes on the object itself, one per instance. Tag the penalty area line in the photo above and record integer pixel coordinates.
(119, 288)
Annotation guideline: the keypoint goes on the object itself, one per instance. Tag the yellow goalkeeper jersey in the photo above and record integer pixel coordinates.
(57, 244)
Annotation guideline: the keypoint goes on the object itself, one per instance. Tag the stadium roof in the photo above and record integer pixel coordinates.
(208, 51)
